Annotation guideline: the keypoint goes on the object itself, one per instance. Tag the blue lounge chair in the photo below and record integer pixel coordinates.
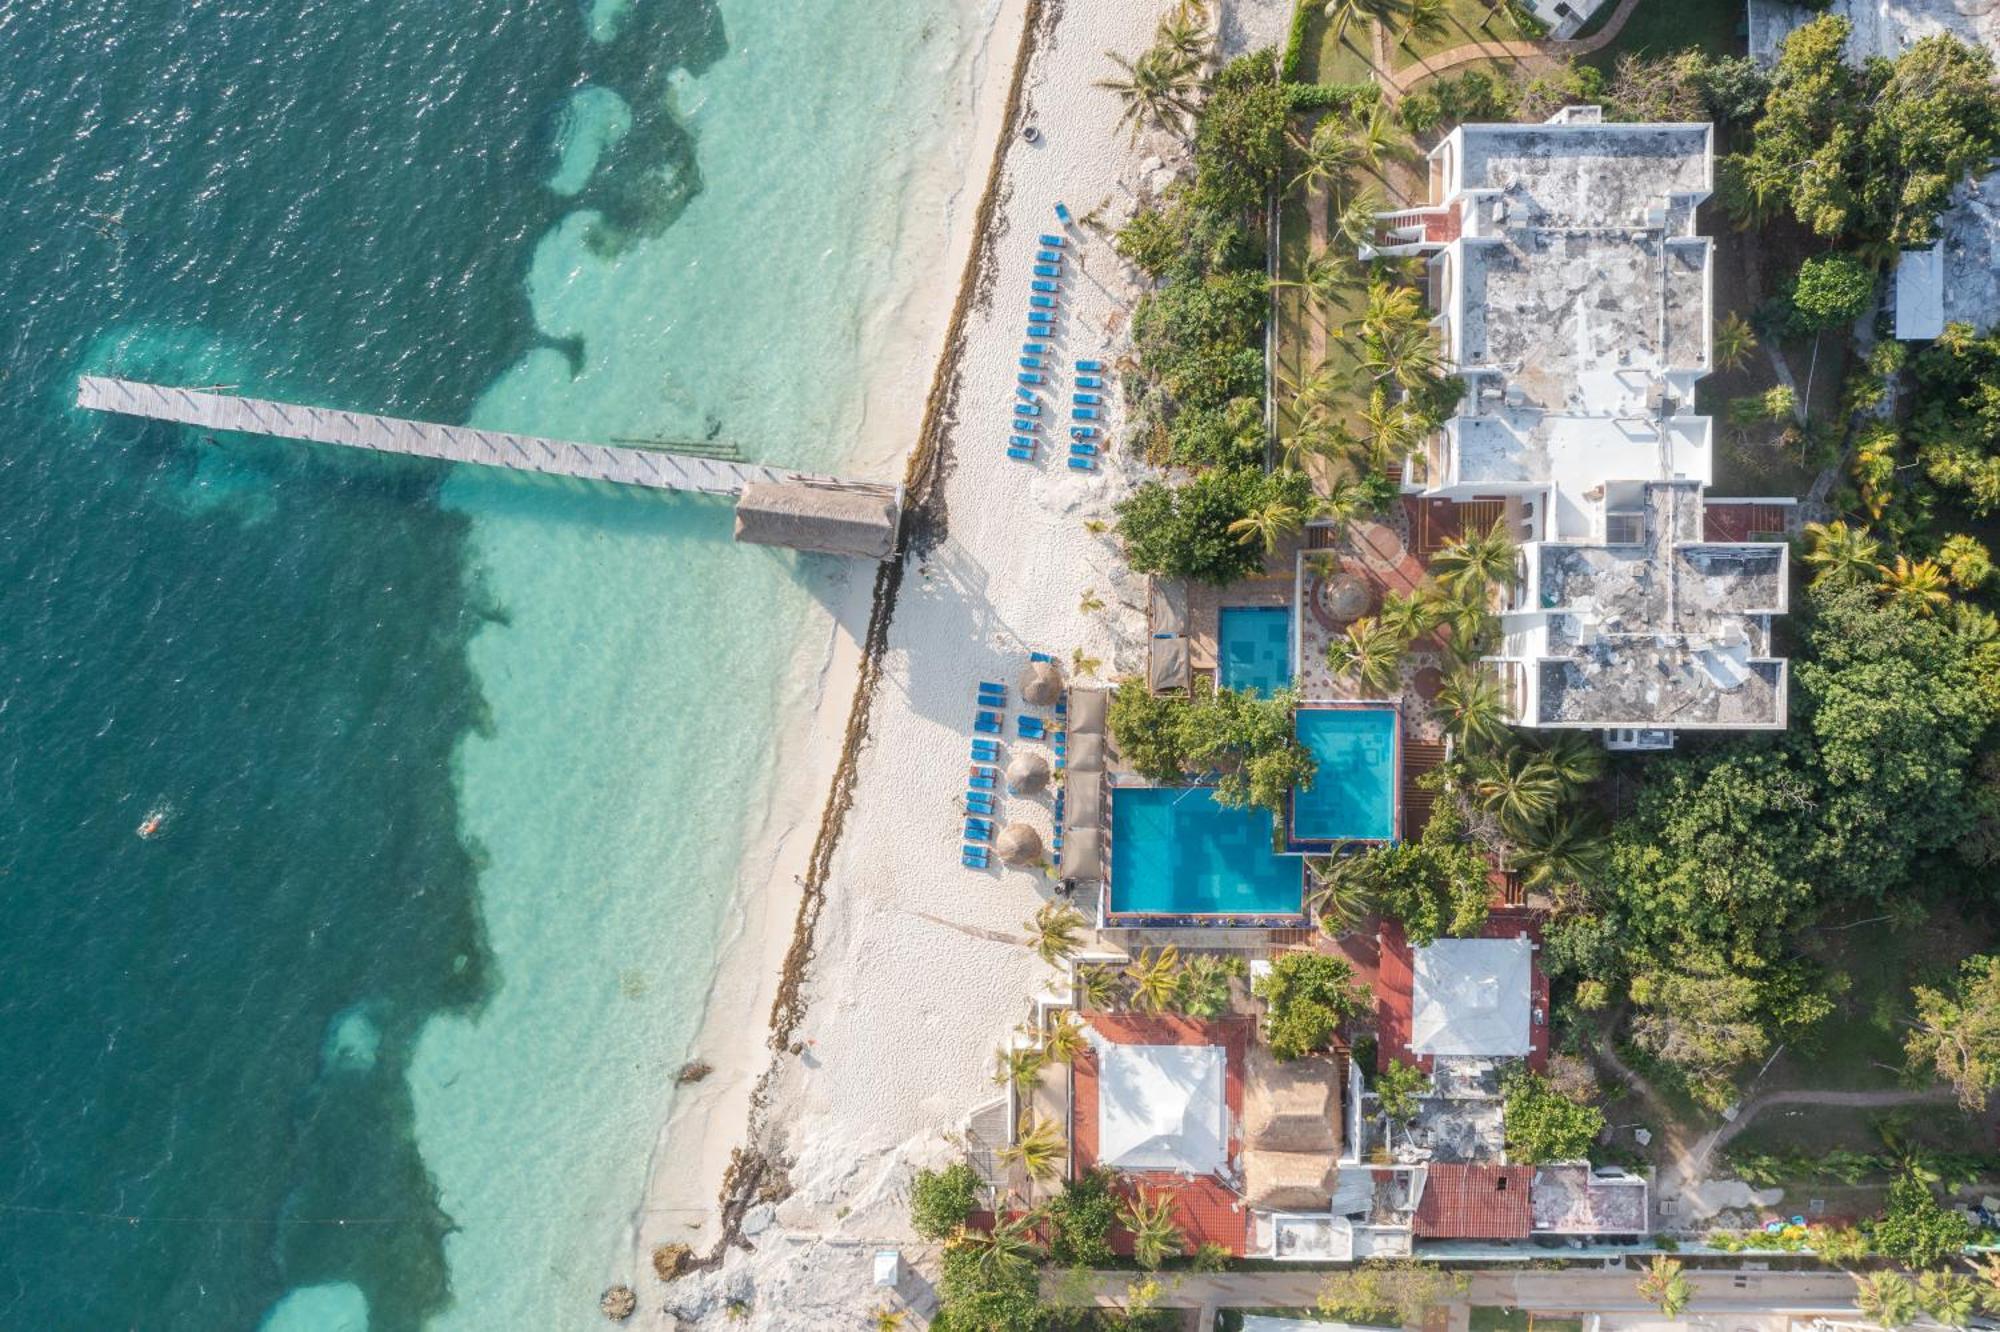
(1042, 302)
(1083, 414)
(1026, 427)
(1084, 464)
(1082, 450)
(1083, 432)
(1040, 656)
(1033, 348)
(1054, 242)
(1031, 377)
(985, 751)
(1063, 214)
(1019, 454)
(975, 803)
(1031, 362)
(1028, 409)
(974, 857)
(1021, 441)
(980, 780)
(1041, 325)
(1048, 270)
(1030, 726)
(1090, 366)
(987, 723)
(1089, 381)
(1088, 399)
(978, 830)
(992, 687)
(1043, 284)
(1048, 256)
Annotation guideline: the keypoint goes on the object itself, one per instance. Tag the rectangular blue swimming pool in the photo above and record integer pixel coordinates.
(1176, 852)
(1253, 648)
(1353, 796)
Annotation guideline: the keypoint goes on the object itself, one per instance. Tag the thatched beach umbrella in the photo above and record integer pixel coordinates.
(1019, 844)
(1041, 684)
(1027, 773)
(1345, 597)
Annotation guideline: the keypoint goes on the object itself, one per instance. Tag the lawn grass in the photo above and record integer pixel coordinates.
(1487, 1318)
(1325, 60)
(1657, 27)
(1466, 22)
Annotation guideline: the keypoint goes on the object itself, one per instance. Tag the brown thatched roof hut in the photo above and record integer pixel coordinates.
(1018, 844)
(1027, 772)
(830, 520)
(1041, 684)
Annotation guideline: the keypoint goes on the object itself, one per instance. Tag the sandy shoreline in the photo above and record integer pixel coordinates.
(707, 1120)
(916, 974)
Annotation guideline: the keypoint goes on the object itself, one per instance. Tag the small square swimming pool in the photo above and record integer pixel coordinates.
(1353, 795)
(1253, 648)
(1176, 852)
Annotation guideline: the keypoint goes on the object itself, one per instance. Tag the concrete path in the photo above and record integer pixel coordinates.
(1396, 82)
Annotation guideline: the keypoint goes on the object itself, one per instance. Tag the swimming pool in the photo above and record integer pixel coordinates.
(1353, 796)
(1253, 648)
(1176, 852)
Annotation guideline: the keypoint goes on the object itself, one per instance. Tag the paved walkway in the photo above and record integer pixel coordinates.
(1396, 82)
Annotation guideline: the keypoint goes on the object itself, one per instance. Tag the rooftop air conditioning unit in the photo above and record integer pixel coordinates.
(1638, 738)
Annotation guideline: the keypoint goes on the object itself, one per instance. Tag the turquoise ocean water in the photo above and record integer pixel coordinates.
(455, 770)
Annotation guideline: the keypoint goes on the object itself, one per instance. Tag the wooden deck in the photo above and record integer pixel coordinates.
(654, 469)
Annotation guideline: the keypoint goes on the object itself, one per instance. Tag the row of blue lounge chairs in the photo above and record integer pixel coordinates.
(980, 781)
(1046, 286)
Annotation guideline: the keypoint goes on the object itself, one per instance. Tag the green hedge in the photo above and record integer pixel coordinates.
(1295, 42)
(1330, 96)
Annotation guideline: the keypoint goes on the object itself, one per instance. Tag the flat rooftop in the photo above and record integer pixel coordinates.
(1586, 175)
(1664, 629)
(1575, 1200)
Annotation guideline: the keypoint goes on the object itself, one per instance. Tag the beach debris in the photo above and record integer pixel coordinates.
(1019, 844)
(759, 1218)
(670, 1260)
(694, 1070)
(1041, 684)
(618, 1303)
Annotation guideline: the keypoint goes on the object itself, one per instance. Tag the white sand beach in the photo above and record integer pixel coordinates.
(920, 968)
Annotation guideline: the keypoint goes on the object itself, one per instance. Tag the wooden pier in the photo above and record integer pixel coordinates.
(797, 509)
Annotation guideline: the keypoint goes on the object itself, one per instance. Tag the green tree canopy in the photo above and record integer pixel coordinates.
(1544, 1125)
(1246, 742)
(1307, 997)
(1957, 1031)
(1182, 531)
(1832, 290)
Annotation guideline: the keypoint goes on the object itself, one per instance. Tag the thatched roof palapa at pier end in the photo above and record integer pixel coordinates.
(830, 520)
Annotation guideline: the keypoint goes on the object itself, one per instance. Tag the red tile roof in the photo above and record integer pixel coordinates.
(1475, 1202)
(1207, 1210)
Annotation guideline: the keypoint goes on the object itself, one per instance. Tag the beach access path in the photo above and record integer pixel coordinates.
(912, 984)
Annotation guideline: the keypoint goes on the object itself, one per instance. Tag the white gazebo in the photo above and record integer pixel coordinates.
(1162, 1107)
(1471, 998)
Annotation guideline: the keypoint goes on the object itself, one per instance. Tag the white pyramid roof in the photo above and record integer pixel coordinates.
(1471, 998)
(1162, 1107)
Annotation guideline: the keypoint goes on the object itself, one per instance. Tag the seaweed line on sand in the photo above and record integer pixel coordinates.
(756, 1174)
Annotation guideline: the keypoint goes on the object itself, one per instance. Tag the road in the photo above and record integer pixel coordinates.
(1568, 1292)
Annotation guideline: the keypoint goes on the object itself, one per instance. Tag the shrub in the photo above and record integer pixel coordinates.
(1544, 1125)
(1295, 41)
(1150, 241)
(1183, 531)
(1346, 98)
(940, 1200)
(1080, 1221)
(1398, 1086)
(1832, 290)
(1916, 1229)
(1308, 996)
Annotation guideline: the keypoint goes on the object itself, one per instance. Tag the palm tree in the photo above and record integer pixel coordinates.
(1390, 307)
(1410, 615)
(1039, 1148)
(1355, 220)
(1515, 787)
(1327, 274)
(1151, 1221)
(1157, 90)
(1406, 354)
(1269, 523)
(1185, 33)
(1054, 933)
(1472, 625)
(1886, 1299)
(1006, 1252)
(1425, 20)
(1346, 503)
(1565, 849)
(1949, 1297)
(1340, 896)
(1380, 138)
(1329, 441)
(1989, 1275)
(1096, 986)
(1664, 1287)
(1919, 585)
(1019, 1065)
(1392, 430)
(1330, 158)
(1472, 708)
(1344, 12)
(1155, 978)
(1734, 341)
(1368, 653)
(1835, 550)
(1064, 1040)
(1476, 561)
(1574, 758)
(889, 1320)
